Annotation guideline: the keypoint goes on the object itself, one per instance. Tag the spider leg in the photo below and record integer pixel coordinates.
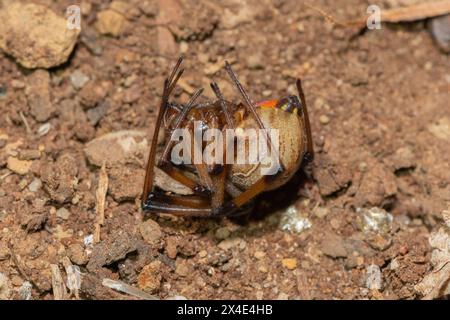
(202, 170)
(223, 105)
(231, 189)
(252, 108)
(164, 163)
(309, 149)
(179, 207)
(169, 84)
(223, 185)
(182, 116)
(219, 180)
(183, 201)
(176, 205)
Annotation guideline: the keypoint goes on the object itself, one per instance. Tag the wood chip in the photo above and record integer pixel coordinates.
(59, 289)
(100, 194)
(416, 12)
(409, 13)
(125, 288)
(73, 278)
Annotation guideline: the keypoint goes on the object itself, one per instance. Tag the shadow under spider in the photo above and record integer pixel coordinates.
(270, 202)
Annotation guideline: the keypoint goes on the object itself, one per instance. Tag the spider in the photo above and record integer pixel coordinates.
(219, 189)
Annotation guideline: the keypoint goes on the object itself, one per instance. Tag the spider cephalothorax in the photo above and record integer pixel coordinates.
(223, 184)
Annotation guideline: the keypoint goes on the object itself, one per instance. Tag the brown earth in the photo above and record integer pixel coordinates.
(379, 108)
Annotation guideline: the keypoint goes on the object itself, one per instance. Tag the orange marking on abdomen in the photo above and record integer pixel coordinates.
(267, 104)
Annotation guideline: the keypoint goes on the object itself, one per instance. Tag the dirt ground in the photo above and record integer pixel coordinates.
(379, 109)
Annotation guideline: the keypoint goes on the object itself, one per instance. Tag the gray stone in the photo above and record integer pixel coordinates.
(35, 185)
(63, 213)
(78, 79)
(333, 245)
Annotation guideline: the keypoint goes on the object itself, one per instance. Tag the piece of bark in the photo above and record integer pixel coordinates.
(125, 288)
(100, 194)
(410, 13)
(59, 289)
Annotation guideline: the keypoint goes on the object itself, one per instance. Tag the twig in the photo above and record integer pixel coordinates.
(59, 289)
(100, 194)
(417, 12)
(25, 122)
(404, 14)
(441, 283)
(126, 288)
(73, 278)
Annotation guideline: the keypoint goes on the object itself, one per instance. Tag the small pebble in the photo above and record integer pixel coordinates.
(320, 212)
(289, 263)
(318, 103)
(259, 255)
(335, 223)
(184, 47)
(267, 93)
(29, 154)
(77, 254)
(182, 268)
(222, 233)
(150, 277)
(20, 167)
(150, 231)
(394, 264)
(17, 84)
(78, 79)
(203, 254)
(324, 119)
(440, 29)
(88, 240)
(378, 242)
(375, 219)
(229, 243)
(172, 247)
(130, 80)
(305, 264)
(16, 281)
(255, 61)
(44, 129)
(23, 183)
(63, 213)
(333, 246)
(25, 291)
(291, 220)
(373, 277)
(110, 22)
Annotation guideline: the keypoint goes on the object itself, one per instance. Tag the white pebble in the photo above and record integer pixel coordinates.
(373, 277)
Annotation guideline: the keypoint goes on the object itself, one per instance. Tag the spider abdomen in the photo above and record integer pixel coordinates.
(289, 129)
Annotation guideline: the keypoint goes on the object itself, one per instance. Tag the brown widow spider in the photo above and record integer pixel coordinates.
(225, 189)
